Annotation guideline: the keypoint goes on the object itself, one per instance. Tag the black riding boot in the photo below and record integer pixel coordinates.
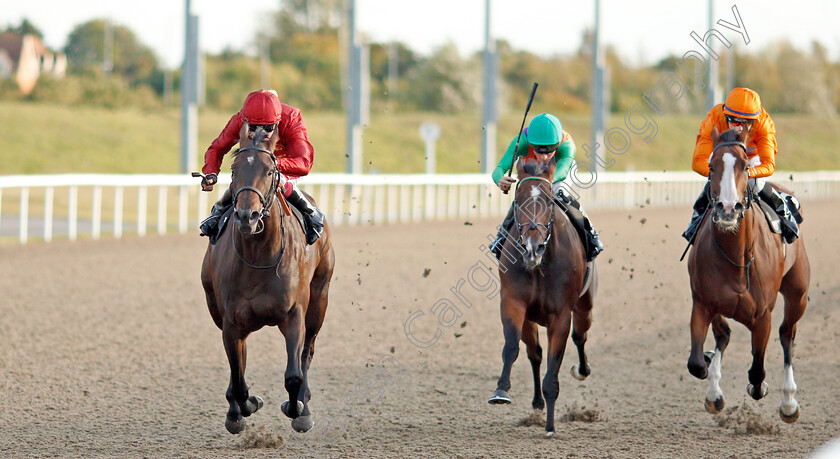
(790, 230)
(583, 225)
(700, 206)
(496, 245)
(209, 224)
(312, 215)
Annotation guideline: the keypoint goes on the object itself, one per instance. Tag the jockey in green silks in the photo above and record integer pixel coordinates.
(544, 136)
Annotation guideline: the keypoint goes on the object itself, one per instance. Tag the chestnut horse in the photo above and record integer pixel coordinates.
(736, 268)
(543, 283)
(261, 272)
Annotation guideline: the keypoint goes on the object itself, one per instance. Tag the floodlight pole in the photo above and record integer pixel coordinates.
(189, 93)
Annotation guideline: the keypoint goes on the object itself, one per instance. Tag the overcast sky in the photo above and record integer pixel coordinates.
(643, 31)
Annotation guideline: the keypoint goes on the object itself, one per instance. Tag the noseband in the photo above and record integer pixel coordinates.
(748, 194)
(265, 202)
(544, 229)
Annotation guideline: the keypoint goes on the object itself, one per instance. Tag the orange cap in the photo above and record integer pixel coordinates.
(262, 107)
(743, 103)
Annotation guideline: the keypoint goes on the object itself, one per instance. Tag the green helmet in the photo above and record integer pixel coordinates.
(544, 133)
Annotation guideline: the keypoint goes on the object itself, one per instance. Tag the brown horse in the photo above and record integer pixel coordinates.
(736, 268)
(544, 282)
(261, 272)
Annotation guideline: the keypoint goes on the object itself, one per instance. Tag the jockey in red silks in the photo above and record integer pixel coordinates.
(294, 156)
(743, 110)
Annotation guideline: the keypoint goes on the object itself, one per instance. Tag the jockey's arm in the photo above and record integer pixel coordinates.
(565, 157)
(297, 157)
(222, 145)
(765, 143)
(703, 146)
(504, 163)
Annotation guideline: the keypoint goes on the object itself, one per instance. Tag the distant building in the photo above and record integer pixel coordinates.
(25, 58)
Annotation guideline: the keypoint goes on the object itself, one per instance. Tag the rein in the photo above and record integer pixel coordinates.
(265, 210)
(746, 266)
(747, 201)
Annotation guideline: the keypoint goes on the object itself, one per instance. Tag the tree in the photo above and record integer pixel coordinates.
(26, 28)
(132, 60)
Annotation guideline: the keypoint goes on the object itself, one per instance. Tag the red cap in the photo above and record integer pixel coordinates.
(262, 107)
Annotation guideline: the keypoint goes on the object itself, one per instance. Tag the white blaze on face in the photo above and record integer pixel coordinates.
(728, 190)
(251, 160)
(535, 192)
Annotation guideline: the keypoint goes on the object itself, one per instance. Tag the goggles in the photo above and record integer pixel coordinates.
(545, 149)
(267, 127)
(738, 121)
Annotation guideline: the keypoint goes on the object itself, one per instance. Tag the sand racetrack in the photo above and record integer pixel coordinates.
(108, 351)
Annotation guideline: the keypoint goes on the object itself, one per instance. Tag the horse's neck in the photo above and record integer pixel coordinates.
(268, 241)
(737, 245)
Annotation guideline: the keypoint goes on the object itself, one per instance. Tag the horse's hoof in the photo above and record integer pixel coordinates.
(303, 424)
(549, 433)
(577, 375)
(235, 427)
(791, 418)
(715, 406)
(285, 408)
(253, 404)
(707, 356)
(765, 388)
(499, 397)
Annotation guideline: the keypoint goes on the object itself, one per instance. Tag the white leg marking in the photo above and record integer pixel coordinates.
(714, 393)
(789, 403)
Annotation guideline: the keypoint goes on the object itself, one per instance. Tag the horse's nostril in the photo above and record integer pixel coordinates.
(255, 216)
(718, 205)
(739, 207)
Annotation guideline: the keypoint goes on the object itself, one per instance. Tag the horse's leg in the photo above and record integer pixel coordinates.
(758, 388)
(294, 332)
(531, 338)
(700, 320)
(714, 396)
(558, 334)
(795, 291)
(315, 313)
(581, 321)
(513, 318)
(237, 393)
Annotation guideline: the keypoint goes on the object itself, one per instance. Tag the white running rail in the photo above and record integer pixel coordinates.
(92, 205)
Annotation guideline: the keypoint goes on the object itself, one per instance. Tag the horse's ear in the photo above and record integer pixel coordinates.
(715, 135)
(243, 133)
(743, 136)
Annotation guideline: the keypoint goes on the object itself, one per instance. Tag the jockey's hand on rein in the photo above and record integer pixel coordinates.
(505, 182)
(208, 181)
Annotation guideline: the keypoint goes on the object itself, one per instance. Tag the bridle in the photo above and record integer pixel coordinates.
(265, 202)
(749, 197)
(265, 211)
(544, 229)
(749, 194)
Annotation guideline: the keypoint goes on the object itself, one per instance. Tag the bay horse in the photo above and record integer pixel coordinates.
(262, 273)
(736, 268)
(543, 283)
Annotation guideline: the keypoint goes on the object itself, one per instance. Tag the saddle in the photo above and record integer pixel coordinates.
(226, 213)
(772, 217)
